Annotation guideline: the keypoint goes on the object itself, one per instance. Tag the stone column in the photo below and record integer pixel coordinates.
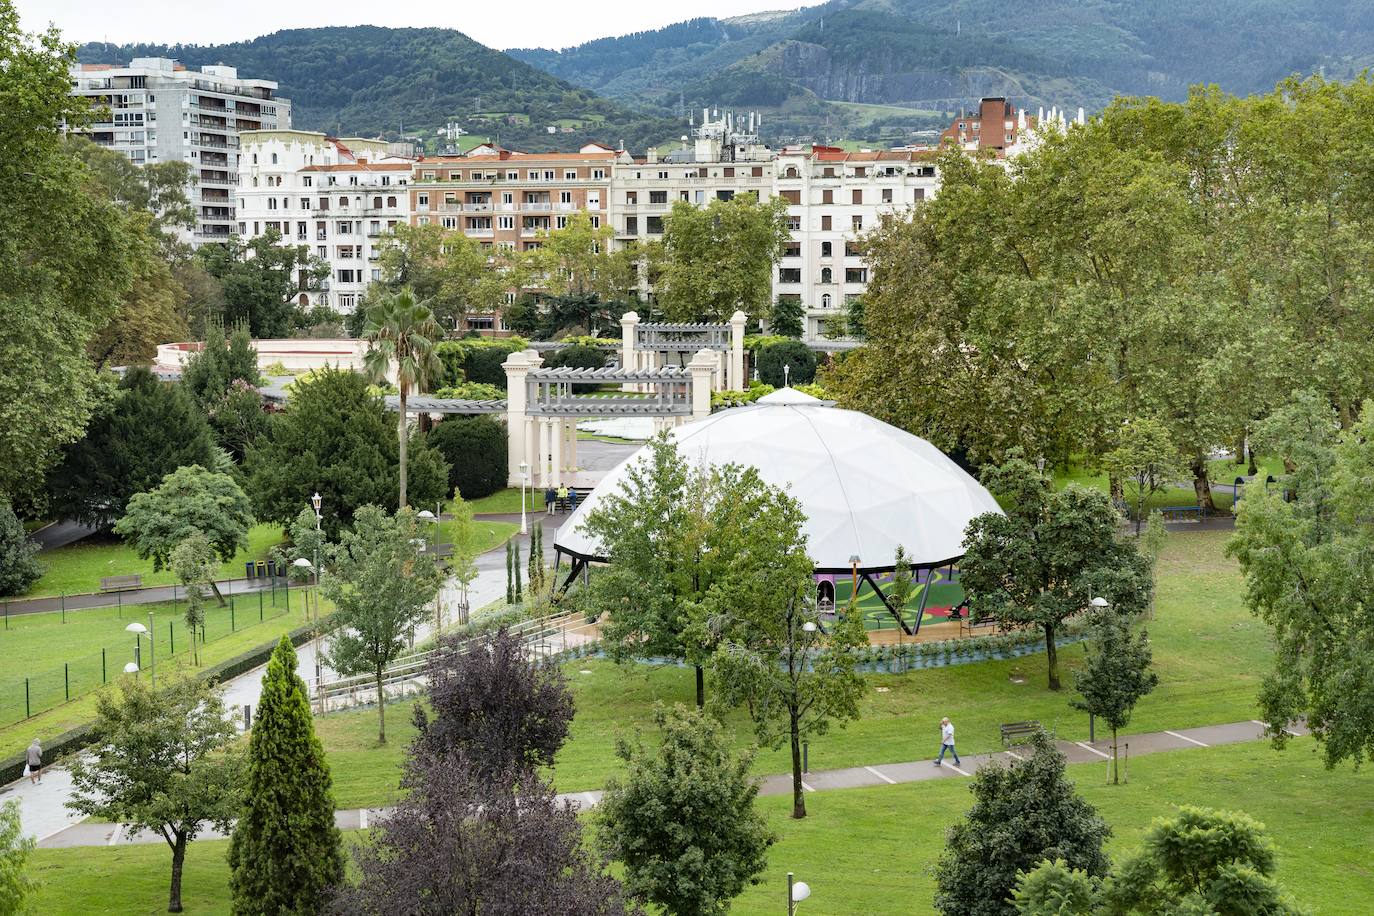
(532, 451)
(517, 370)
(572, 445)
(628, 357)
(545, 446)
(737, 380)
(701, 367)
(556, 431)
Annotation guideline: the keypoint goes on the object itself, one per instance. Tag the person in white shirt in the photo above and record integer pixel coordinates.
(947, 742)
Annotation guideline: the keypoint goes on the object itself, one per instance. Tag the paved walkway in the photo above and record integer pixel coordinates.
(883, 774)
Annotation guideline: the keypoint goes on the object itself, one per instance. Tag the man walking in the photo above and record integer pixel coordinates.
(33, 762)
(947, 742)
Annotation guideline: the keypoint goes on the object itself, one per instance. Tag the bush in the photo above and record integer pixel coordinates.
(18, 568)
(475, 448)
(577, 356)
(472, 391)
(793, 353)
(476, 360)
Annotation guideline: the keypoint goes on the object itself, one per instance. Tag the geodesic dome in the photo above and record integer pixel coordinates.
(865, 486)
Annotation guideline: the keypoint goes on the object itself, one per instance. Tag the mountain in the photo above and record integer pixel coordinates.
(919, 57)
(367, 80)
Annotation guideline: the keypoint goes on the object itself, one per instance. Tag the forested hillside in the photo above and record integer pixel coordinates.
(376, 81)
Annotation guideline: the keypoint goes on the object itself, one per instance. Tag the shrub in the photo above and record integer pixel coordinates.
(18, 568)
(791, 353)
(475, 449)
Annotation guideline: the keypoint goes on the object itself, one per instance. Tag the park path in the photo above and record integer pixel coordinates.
(882, 774)
(42, 807)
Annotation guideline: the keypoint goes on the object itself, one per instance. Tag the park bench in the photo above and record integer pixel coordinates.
(1179, 513)
(121, 583)
(968, 621)
(1017, 732)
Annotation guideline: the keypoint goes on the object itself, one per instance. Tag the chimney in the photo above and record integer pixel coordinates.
(653, 155)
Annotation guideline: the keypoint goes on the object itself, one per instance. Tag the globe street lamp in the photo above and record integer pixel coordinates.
(139, 631)
(524, 477)
(304, 564)
(131, 668)
(797, 891)
(428, 516)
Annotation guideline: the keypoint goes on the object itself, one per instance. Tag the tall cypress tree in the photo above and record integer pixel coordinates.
(285, 852)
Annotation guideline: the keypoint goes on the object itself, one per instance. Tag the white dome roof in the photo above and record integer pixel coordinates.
(866, 487)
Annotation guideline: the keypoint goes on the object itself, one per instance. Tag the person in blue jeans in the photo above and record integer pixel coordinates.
(947, 742)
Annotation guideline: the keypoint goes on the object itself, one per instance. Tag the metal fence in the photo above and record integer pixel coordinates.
(37, 675)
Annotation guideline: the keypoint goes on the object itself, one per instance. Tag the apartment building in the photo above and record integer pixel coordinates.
(155, 110)
(833, 198)
(505, 199)
(337, 195)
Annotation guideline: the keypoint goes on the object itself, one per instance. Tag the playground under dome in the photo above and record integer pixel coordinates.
(866, 487)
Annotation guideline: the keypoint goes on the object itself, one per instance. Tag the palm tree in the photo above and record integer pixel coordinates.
(402, 330)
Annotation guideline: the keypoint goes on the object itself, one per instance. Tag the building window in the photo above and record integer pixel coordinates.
(663, 175)
(422, 200)
(450, 222)
(757, 171)
(598, 173)
(654, 225)
(596, 222)
(632, 225)
(858, 196)
(826, 249)
(305, 203)
(569, 174)
(828, 172)
(792, 250)
(560, 222)
(789, 274)
(505, 222)
(274, 158)
(825, 301)
(271, 203)
(307, 181)
(565, 197)
(860, 171)
(920, 194)
(887, 195)
(794, 224)
(791, 172)
(825, 223)
(856, 221)
(376, 274)
(658, 197)
(827, 277)
(856, 275)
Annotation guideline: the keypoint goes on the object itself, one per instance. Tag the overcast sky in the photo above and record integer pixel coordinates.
(527, 23)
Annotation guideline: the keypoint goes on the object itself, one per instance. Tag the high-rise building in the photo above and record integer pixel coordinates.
(338, 196)
(156, 110)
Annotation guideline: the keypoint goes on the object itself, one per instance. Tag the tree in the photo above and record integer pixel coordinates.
(150, 311)
(381, 587)
(19, 567)
(1146, 456)
(1117, 674)
(682, 819)
(719, 258)
(428, 475)
(402, 330)
(799, 359)
(786, 317)
(475, 449)
(1021, 814)
(464, 840)
(334, 438)
(1054, 889)
(494, 704)
(690, 550)
(193, 563)
(156, 188)
(1201, 860)
(795, 679)
(261, 279)
(238, 419)
(1048, 556)
(454, 274)
(15, 849)
(581, 261)
(210, 373)
(464, 547)
(163, 760)
(149, 429)
(65, 259)
(189, 501)
(1307, 561)
(285, 853)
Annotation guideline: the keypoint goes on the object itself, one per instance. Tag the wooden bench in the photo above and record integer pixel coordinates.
(121, 583)
(1012, 731)
(1179, 513)
(968, 623)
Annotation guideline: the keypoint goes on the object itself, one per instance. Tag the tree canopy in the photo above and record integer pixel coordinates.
(189, 501)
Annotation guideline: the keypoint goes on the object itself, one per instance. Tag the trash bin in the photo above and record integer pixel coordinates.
(249, 569)
(281, 569)
(262, 569)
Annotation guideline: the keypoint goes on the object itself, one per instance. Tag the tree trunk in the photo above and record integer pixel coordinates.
(1052, 656)
(178, 860)
(798, 793)
(701, 687)
(401, 437)
(1240, 447)
(1116, 781)
(1117, 487)
(381, 708)
(1201, 485)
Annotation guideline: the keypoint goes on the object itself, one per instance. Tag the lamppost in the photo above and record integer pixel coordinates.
(428, 516)
(315, 502)
(1099, 603)
(524, 478)
(303, 563)
(139, 630)
(854, 565)
(797, 891)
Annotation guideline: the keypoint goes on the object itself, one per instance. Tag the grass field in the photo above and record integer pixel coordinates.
(490, 534)
(866, 851)
(79, 567)
(507, 502)
(1209, 652)
(48, 639)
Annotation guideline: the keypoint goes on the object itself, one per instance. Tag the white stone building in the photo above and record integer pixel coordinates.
(155, 110)
(338, 196)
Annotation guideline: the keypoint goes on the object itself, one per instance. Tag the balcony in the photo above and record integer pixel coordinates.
(479, 233)
(478, 207)
(320, 235)
(537, 206)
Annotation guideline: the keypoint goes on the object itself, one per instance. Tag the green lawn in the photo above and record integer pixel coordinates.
(867, 850)
(490, 534)
(79, 567)
(507, 502)
(1209, 651)
(44, 638)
